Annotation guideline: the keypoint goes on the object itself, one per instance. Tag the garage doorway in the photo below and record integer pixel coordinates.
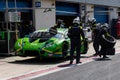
(66, 19)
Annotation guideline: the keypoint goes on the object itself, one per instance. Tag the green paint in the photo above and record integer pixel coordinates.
(2, 35)
(47, 48)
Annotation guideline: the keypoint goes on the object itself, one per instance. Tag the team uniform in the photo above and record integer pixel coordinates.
(75, 33)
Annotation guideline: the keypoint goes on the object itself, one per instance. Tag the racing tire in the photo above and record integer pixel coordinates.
(107, 41)
(65, 49)
(110, 51)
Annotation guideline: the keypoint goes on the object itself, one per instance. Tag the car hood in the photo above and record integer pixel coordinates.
(25, 44)
(35, 45)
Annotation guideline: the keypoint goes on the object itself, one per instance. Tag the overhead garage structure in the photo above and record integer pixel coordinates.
(67, 11)
(101, 14)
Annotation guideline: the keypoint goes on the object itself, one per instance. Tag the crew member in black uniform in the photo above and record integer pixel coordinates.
(60, 24)
(103, 31)
(95, 29)
(75, 33)
(96, 44)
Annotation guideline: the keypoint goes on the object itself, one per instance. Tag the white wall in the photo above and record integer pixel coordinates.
(45, 15)
(89, 10)
(113, 13)
(115, 3)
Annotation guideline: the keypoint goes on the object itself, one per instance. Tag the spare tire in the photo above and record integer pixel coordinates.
(108, 41)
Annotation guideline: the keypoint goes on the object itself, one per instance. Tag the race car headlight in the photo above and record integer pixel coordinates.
(19, 44)
(49, 45)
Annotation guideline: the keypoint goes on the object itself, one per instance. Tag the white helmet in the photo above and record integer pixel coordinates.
(92, 20)
(76, 20)
(105, 25)
(98, 24)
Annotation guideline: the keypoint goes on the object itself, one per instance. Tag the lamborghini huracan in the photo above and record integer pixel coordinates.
(44, 44)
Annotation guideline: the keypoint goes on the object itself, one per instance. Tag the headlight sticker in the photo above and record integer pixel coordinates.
(20, 43)
(48, 44)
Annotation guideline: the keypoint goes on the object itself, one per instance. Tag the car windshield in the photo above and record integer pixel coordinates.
(40, 35)
(58, 35)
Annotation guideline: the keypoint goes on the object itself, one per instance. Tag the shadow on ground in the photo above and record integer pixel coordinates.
(101, 59)
(43, 61)
(38, 61)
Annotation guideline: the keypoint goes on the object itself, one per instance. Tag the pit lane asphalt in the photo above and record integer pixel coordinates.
(99, 69)
(13, 67)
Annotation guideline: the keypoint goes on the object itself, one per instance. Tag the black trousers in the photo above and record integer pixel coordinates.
(75, 46)
(103, 50)
(96, 45)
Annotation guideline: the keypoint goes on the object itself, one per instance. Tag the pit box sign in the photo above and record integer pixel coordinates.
(37, 4)
(14, 16)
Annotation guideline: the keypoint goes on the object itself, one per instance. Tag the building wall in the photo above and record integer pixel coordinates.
(113, 13)
(45, 14)
(90, 10)
(115, 3)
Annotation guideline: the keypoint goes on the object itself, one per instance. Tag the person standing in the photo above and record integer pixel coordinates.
(75, 33)
(60, 24)
(95, 29)
(31, 28)
(96, 44)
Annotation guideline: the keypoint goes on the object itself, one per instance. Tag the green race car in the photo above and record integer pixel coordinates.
(42, 43)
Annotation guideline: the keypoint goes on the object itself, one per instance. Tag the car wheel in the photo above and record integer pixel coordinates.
(65, 49)
(108, 41)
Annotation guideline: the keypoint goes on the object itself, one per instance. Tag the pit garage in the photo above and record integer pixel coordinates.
(67, 12)
(15, 19)
(101, 14)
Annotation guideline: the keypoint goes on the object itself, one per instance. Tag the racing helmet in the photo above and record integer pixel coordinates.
(76, 20)
(91, 20)
(105, 25)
